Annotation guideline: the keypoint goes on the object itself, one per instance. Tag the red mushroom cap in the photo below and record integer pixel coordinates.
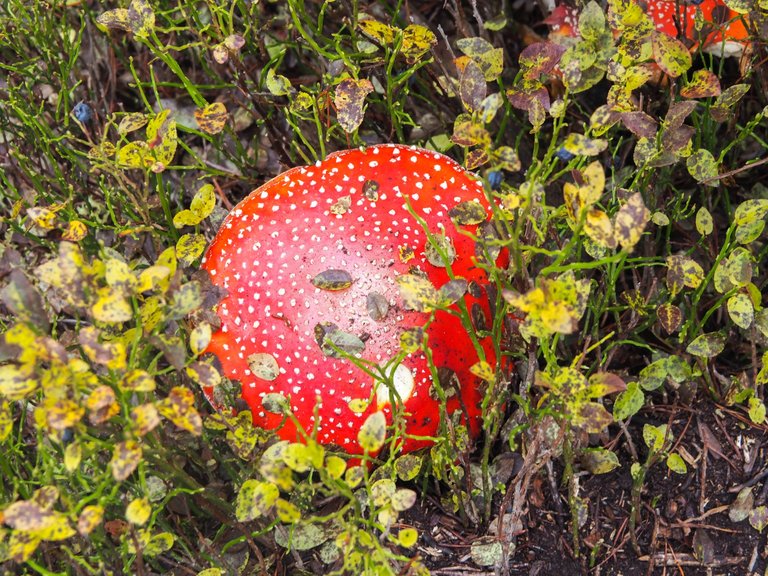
(316, 251)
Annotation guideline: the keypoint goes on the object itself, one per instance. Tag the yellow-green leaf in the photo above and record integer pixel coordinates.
(418, 293)
(707, 345)
(373, 432)
(676, 463)
(141, 18)
(670, 54)
(703, 167)
(162, 139)
(484, 371)
(277, 84)
(741, 310)
(144, 418)
(255, 499)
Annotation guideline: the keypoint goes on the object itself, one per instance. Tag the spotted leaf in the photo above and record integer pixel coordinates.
(349, 99)
(418, 293)
(213, 118)
(373, 432)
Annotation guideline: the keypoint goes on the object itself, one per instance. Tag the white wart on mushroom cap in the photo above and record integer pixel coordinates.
(317, 251)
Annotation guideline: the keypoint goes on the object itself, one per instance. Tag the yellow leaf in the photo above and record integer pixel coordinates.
(149, 278)
(179, 408)
(417, 40)
(138, 380)
(483, 370)
(73, 454)
(598, 227)
(111, 307)
(190, 247)
(90, 518)
(199, 338)
(118, 275)
(162, 139)
(135, 155)
(145, 418)
(138, 511)
(75, 231)
(213, 118)
(6, 420)
(17, 382)
(125, 458)
(630, 222)
(21, 546)
(132, 121)
(383, 34)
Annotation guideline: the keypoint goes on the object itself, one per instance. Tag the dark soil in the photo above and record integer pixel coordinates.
(684, 526)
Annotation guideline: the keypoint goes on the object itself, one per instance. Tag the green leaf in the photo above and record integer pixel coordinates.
(676, 463)
(654, 436)
(707, 345)
(373, 432)
(756, 410)
(629, 402)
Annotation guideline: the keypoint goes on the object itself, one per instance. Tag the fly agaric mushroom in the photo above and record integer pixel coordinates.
(310, 261)
(724, 33)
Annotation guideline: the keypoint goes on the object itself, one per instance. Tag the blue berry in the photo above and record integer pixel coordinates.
(495, 179)
(83, 112)
(564, 155)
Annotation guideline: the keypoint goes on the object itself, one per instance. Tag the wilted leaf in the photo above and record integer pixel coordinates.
(383, 34)
(468, 213)
(264, 366)
(703, 84)
(332, 279)
(349, 99)
(670, 54)
(599, 460)
(204, 374)
(630, 222)
(125, 458)
(670, 317)
(486, 551)
(179, 408)
(579, 145)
